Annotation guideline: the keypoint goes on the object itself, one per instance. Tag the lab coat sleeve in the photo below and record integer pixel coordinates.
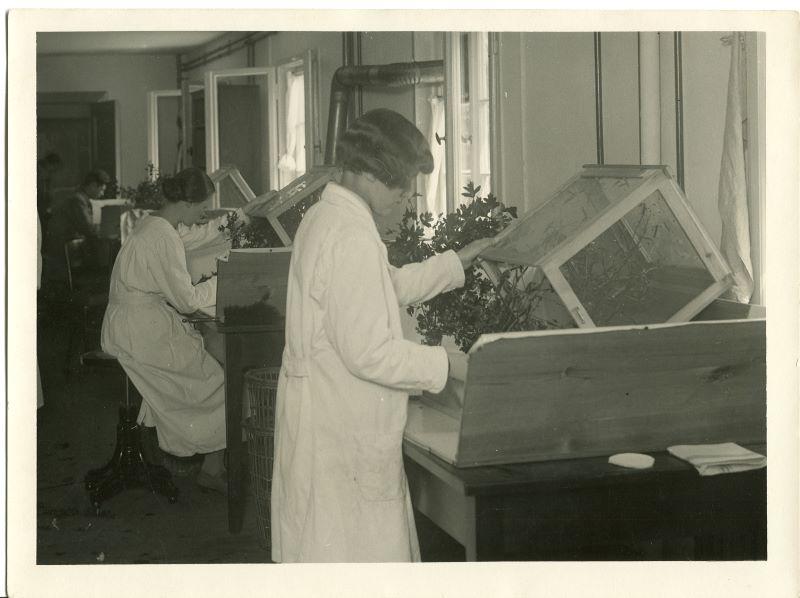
(418, 282)
(168, 268)
(358, 324)
(203, 235)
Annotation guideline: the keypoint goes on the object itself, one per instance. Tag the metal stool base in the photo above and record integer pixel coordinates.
(128, 468)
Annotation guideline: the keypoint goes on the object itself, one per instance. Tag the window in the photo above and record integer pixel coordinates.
(262, 121)
(467, 115)
(291, 123)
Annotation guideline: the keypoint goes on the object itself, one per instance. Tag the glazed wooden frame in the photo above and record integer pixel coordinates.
(655, 179)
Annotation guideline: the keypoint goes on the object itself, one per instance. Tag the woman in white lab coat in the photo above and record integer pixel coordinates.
(180, 382)
(339, 491)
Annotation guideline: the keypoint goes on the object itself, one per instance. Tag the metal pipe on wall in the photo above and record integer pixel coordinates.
(345, 78)
(679, 108)
(598, 96)
(649, 99)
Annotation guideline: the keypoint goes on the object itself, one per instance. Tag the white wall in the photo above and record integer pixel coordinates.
(620, 72)
(546, 112)
(127, 78)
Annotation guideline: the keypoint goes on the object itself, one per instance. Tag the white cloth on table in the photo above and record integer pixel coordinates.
(180, 382)
(713, 459)
(339, 491)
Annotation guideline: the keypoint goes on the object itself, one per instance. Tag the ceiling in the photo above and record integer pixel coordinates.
(138, 42)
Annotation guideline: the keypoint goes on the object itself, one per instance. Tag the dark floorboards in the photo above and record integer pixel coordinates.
(76, 432)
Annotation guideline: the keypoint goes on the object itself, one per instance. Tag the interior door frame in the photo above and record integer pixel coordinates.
(152, 119)
(211, 79)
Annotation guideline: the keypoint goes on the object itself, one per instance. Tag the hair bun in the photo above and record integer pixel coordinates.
(172, 188)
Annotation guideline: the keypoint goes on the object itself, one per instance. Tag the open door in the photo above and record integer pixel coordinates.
(104, 137)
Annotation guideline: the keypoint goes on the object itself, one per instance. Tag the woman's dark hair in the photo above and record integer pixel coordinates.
(386, 145)
(190, 184)
(96, 176)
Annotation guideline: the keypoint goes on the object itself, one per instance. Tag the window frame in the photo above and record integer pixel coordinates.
(454, 129)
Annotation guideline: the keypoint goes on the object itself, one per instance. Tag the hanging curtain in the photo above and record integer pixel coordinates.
(732, 197)
(293, 161)
(435, 186)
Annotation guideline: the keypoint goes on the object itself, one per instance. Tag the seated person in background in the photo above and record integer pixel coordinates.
(71, 218)
(165, 358)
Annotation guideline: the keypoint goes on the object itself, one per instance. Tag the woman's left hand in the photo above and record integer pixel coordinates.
(469, 253)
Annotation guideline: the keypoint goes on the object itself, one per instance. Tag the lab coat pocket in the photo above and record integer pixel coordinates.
(379, 467)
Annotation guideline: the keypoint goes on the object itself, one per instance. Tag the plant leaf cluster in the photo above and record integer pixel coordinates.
(480, 306)
(147, 194)
(256, 233)
(260, 233)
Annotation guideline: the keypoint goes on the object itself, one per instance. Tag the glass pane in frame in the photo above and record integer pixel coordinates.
(641, 270)
(230, 196)
(290, 219)
(243, 123)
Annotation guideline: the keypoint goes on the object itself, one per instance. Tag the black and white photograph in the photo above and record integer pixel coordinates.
(402, 303)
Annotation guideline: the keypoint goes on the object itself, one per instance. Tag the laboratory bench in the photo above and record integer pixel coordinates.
(588, 509)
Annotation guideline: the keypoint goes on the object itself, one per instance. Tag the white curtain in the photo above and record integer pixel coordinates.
(732, 198)
(293, 161)
(435, 186)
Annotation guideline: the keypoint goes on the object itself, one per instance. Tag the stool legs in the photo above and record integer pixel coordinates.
(128, 467)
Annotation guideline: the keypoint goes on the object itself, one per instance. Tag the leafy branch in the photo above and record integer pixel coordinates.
(479, 306)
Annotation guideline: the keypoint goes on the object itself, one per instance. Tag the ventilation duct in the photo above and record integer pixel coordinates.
(399, 74)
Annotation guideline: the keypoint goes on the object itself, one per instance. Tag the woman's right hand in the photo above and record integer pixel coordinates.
(470, 253)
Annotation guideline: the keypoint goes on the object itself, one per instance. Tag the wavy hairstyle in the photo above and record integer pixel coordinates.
(190, 184)
(386, 145)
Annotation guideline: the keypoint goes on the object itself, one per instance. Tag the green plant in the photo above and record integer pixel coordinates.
(259, 232)
(256, 233)
(146, 194)
(481, 305)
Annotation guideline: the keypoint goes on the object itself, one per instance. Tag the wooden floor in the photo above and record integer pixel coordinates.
(76, 432)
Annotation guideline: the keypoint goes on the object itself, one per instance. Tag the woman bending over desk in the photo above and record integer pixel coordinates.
(339, 492)
(181, 384)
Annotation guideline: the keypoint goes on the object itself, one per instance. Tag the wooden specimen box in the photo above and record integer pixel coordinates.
(286, 209)
(252, 286)
(562, 394)
(620, 245)
(232, 190)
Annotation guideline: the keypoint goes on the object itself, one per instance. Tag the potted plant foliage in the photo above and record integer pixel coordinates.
(508, 303)
(145, 195)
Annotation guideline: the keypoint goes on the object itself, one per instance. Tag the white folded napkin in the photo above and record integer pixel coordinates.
(713, 459)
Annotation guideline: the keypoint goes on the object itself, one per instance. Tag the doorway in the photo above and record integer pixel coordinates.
(81, 128)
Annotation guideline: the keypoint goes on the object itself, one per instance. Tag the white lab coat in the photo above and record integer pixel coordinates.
(339, 491)
(182, 385)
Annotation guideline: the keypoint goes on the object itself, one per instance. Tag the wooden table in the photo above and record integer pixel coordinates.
(239, 348)
(587, 509)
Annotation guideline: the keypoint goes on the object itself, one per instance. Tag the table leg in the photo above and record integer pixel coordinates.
(489, 514)
(233, 430)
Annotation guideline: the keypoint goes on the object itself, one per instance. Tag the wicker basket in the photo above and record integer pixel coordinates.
(261, 387)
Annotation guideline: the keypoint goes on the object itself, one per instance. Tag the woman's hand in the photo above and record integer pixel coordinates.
(470, 252)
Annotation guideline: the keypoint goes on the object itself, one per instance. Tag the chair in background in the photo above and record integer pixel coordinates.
(88, 279)
(111, 220)
(127, 467)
